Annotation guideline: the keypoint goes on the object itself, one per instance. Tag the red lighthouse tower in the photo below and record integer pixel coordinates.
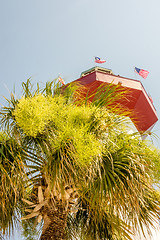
(144, 115)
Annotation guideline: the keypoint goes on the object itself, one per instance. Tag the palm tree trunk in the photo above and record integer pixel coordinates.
(54, 223)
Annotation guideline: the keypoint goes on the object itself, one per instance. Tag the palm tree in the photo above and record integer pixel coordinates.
(71, 163)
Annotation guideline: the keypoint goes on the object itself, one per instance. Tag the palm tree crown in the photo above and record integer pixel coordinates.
(71, 163)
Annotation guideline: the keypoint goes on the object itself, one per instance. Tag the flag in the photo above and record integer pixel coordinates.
(61, 80)
(141, 72)
(98, 60)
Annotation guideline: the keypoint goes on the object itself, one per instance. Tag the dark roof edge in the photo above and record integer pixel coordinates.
(95, 69)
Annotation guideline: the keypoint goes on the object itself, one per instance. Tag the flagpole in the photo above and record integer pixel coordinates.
(135, 73)
(94, 62)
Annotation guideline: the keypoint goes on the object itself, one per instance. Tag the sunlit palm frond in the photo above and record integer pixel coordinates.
(12, 177)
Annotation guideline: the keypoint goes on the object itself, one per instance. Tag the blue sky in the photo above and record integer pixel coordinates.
(42, 38)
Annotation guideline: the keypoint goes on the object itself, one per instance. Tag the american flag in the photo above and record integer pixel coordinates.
(98, 60)
(61, 80)
(141, 72)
